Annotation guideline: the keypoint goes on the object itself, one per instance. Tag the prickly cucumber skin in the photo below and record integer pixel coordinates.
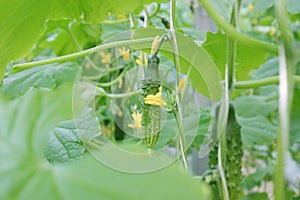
(151, 114)
(213, 154)
(213, 160)
(234, 154)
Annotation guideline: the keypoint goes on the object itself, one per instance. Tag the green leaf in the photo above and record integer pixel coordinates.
(256, 178)
(293, 6)
(25, 173)
(256, 196)
(295, 118)
(23, 22)
(47, 76)
(66, 36)
(251, 106)
(224, 8)
(64, 143)
(257, 131)
(247, 58)
(269, 68)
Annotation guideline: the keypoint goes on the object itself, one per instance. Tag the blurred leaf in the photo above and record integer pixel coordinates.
(25, 174)
(64, 143)
(293, 6)
(256, 196)
(224, 8)
(204, 123)
(255, 179)
(247, 57)
(251, 106)
(262, 5)
(66, 36)
(257, 131)
(47, 76)
(269, 68)
(295, 118)
(22, 22)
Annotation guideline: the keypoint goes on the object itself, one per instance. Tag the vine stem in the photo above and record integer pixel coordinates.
(182, 141)
(178, 72)
(81, 53)
(261, 82)
(230, 30)
(286, 90)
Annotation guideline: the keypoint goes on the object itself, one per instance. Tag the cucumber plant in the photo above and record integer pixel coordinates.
(151, 114)
(234, 154)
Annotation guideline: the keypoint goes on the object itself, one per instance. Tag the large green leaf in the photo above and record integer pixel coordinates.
(257, 131)
(23, 22)
(47, 76)
(64, 143)
(25, 173)
(247, 58)
(254, 115)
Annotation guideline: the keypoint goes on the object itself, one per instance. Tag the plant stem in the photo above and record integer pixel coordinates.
(178, 72)
(286, 90)
(101, 91)
(82, 53)
(230, 30)
(261, 82)
(182, 141)
(225, 195)
(116, 80)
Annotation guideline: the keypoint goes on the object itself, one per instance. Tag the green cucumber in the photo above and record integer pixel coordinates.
(234, 154)
(151, 114)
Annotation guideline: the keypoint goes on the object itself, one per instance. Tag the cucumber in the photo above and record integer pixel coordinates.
(234, 154)
(151, 114)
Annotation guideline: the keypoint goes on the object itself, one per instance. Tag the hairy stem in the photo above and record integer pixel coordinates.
(261, 82)
(81, 53)
(286, 90)
(182, 141)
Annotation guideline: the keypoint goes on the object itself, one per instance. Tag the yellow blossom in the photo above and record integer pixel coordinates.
(119, 112)
(106, 57)
(87, 66)
(142, 60)
(120, 81)
(155, 44)
(254, 21)
(137, 118)
(121, 16)
(181, 84)
(250, 7)
(272, 31)
(105, 130)
(155, 99)
(125, 53)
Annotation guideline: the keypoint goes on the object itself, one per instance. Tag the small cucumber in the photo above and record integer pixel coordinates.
(234, 154)
(151, 114)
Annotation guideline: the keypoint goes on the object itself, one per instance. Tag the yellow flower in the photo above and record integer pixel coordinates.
(106, 57)
(142, 59)
(155, 99)
(137, 118)
(125, 53)
(181, 84)
(254, 21)
(155, 44)
(250, 7)
(272, 31)
(121, 16)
